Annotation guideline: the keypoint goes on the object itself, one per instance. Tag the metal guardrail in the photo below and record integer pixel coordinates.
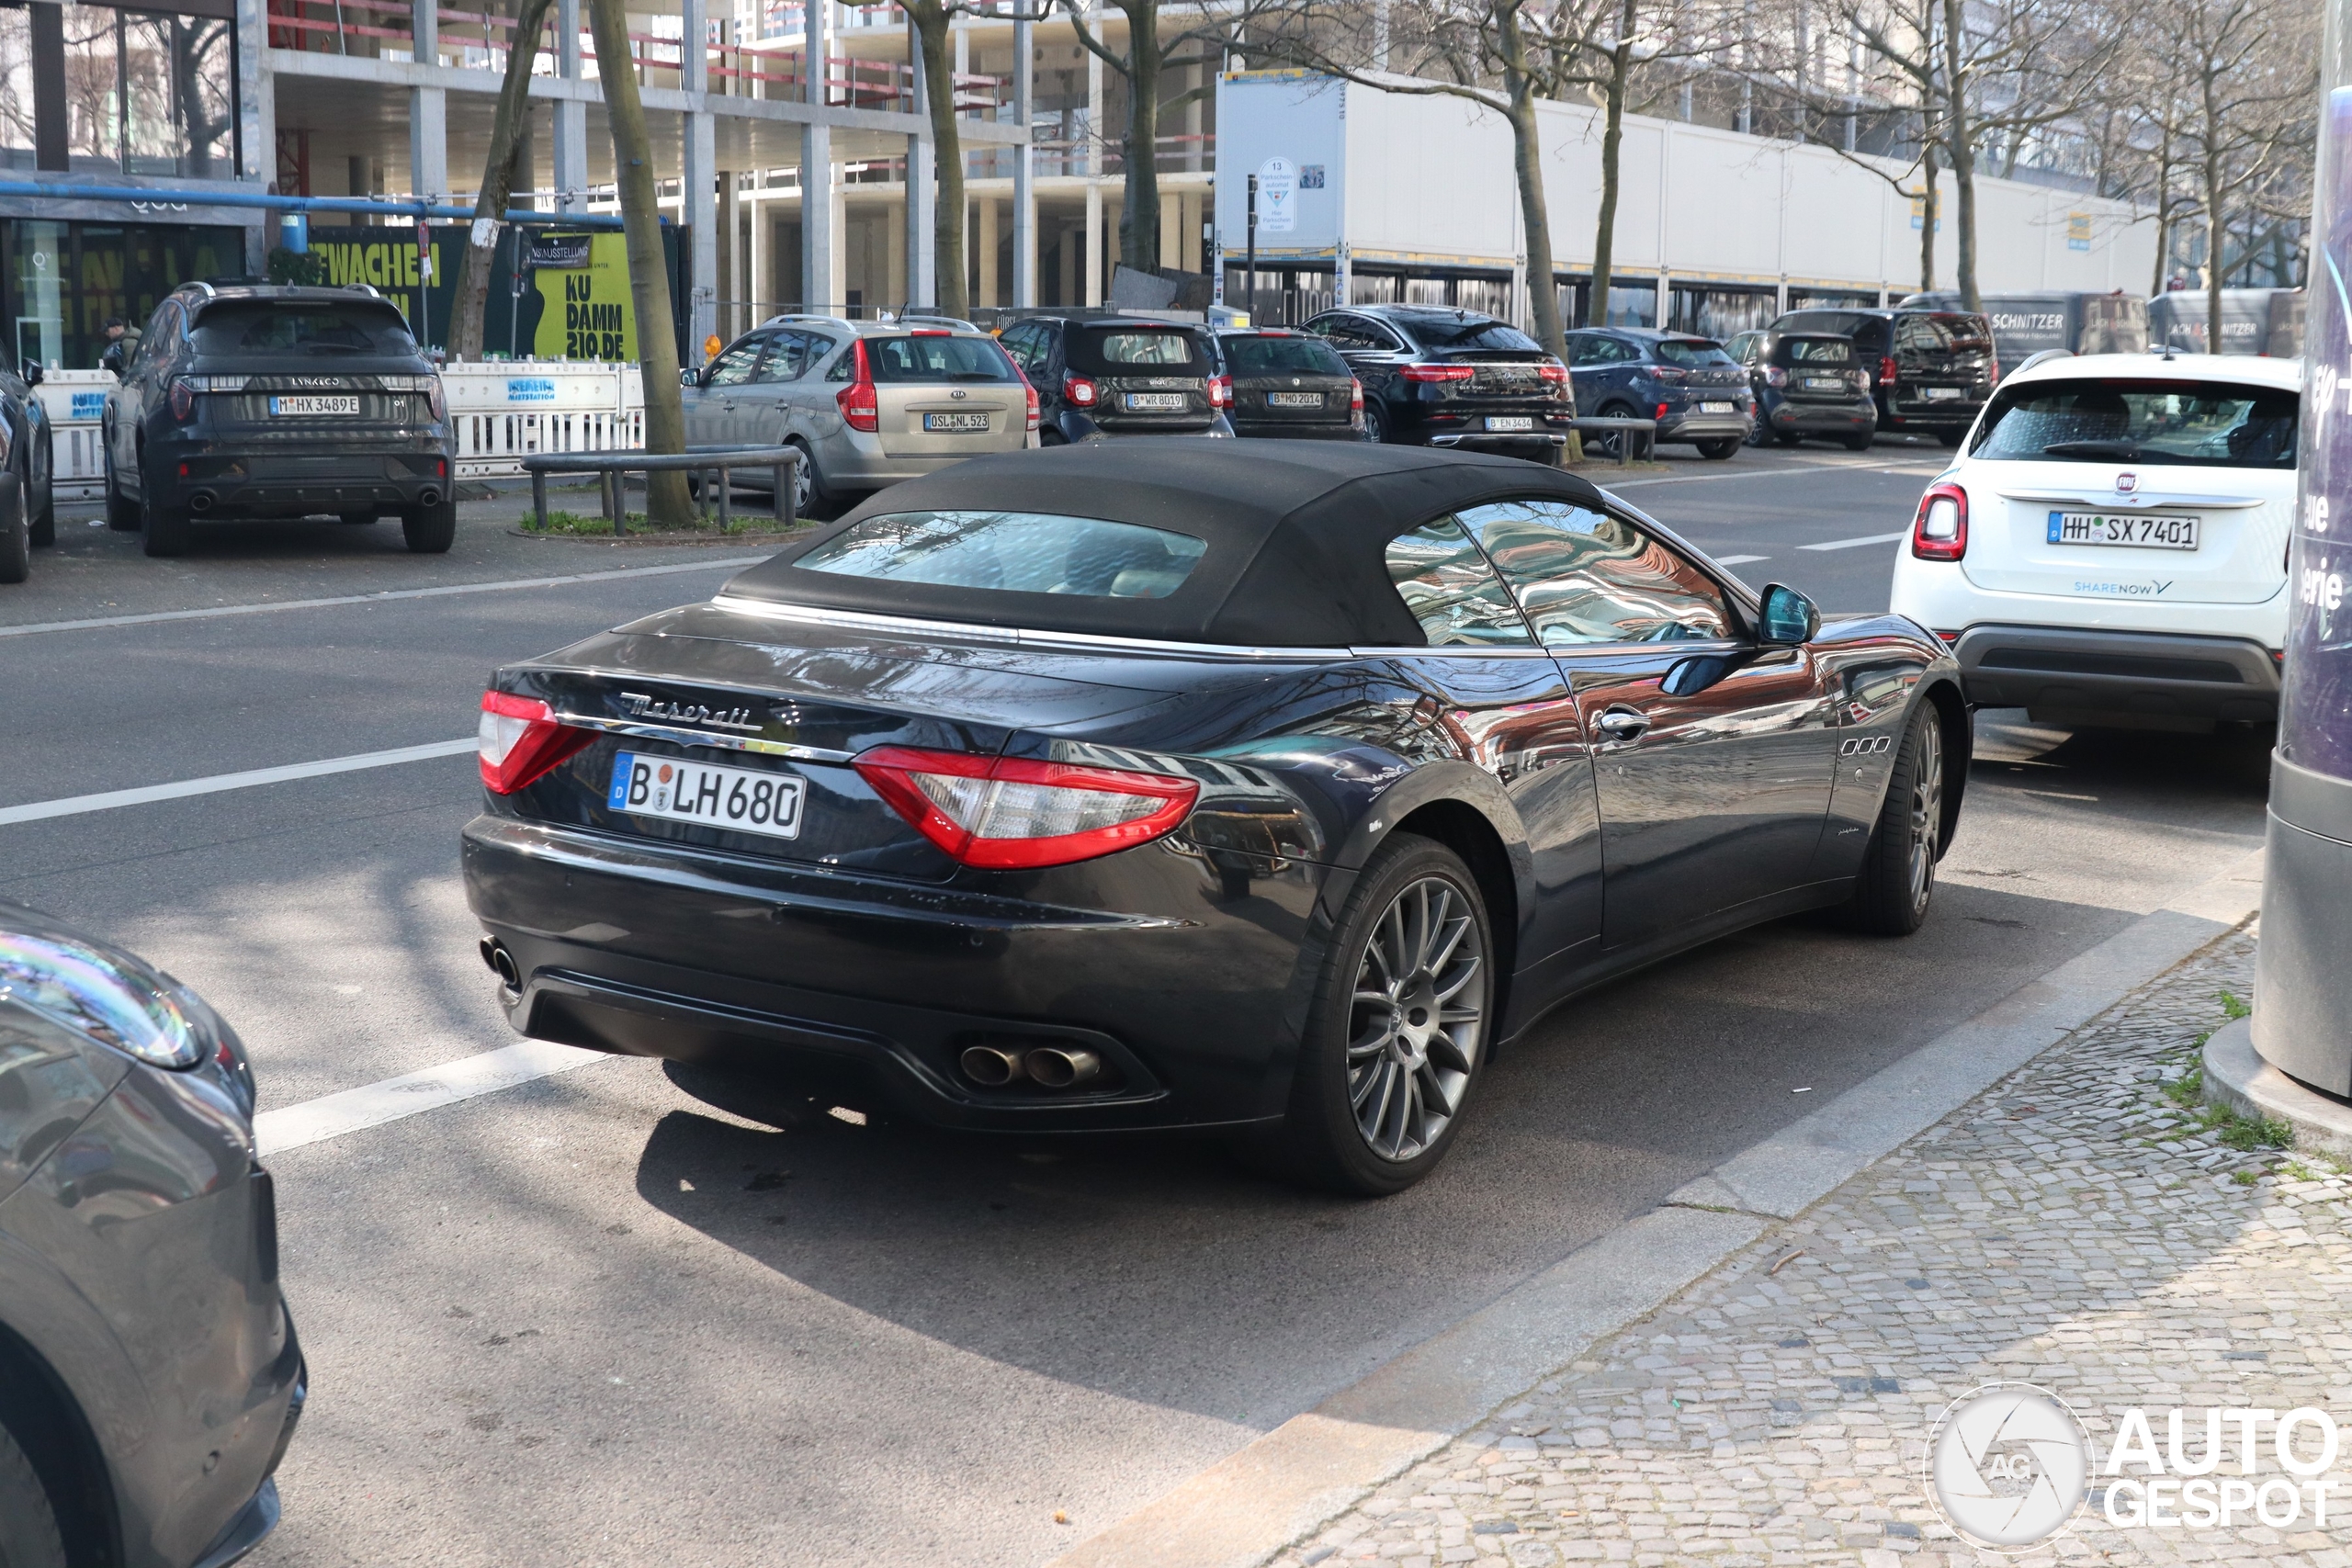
(1646, 428)
(711, 463)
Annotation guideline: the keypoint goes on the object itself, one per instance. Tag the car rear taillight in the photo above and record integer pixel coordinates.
(1018, 813)
(520, 740)
(1554, 372)
(1668, 375)
(1080, 391)
(1887, 371)
(1433, 373)
(1220, 391)
(861, 409)
(1775, 377)
(183, 399)
(1661, 411)
(1940, 531)
(436, 401)
(1030, 393)
(1355, 397)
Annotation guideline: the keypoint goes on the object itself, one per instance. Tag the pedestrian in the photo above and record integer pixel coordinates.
(121, 340)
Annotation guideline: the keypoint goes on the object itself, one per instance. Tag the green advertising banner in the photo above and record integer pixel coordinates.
(573, 303)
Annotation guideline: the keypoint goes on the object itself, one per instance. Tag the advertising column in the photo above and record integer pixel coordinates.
(2302, 1017)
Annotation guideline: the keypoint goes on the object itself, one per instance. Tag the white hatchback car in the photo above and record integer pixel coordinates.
(2111, 547)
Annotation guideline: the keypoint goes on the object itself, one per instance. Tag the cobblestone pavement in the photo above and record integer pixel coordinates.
(2077, 1226)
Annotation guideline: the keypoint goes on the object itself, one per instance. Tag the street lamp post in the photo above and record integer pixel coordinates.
(1253, 250)
(2302, 1017)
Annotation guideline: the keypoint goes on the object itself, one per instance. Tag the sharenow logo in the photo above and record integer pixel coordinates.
(2009, 1465)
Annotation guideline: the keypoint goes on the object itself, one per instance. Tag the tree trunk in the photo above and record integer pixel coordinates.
(666, 505)
(497, 181)
(1139, 217)
(2216, 234)
(1957, 139)
(1927, 215)
(1612, 138)
(930, 18)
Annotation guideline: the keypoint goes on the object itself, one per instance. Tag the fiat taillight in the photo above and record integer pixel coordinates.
(520, 740)
(1940, 531)
(1019, 813)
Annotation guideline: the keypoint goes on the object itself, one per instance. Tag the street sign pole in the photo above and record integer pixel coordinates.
(1253, 250)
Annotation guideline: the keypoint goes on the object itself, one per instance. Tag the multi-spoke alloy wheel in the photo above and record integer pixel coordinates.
(1414, 1019)
(1927, 813)
(1396, 1037)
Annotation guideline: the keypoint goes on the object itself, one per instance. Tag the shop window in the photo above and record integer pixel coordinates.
(141, 92)
(61, 282)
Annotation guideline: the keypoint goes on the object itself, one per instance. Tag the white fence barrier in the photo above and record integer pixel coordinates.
(502, 410)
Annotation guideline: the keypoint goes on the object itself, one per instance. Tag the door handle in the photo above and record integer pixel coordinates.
(1619, 725)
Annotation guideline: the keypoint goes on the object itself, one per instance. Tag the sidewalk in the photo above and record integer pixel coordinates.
(2076, 1227)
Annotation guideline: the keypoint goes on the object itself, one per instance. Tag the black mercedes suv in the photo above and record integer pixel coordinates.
(1434, 377)
(263, 401)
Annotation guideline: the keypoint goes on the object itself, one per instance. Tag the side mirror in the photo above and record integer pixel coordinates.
(32, 372)
(689, 378)
(1788, 618)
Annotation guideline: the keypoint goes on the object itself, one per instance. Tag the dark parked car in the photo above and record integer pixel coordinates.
(267, 402)
(1693, 389)
(1258, 789)
(1931, 370)
(1099, 375)
(1438, 377)
(28, 497)
(1808, 384)
(150, 1379)
(1289, 385)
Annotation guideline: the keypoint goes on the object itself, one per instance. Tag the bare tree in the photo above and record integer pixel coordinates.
(500, 171)
(666, 502)
(1147, 55)
(928, 19)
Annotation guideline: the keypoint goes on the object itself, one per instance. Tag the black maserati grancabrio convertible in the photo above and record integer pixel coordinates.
(1265, 789)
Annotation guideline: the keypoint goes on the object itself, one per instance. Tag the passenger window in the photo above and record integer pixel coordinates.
(1586, 576)
(734, 366)
(842, 368)
(786, 357)
(1452, 591)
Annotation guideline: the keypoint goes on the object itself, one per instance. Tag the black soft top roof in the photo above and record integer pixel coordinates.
(1296, 531)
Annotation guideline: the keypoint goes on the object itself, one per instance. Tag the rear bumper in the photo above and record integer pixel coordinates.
(1923, 415)
(1840, 418)
(1704, 426)
(1193, 1008)
(1076, 427)
(208, 481)
(2134, 677)
(1294, 430)
(853, 460)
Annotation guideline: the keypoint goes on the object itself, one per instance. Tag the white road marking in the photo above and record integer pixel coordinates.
(113, 799)
(1852, 544)
(1738, 560)
(1776, 473)
(436, 592)
(372, 1105)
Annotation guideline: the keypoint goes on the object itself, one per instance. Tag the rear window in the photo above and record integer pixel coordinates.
(275, 326)
(1945, 332)
(1474, 332)
(937, 359)
(1283, 356)
(1013, 552)
(1693, 351)
(1842, 322)
(1816, 351)
(1146, 349)
(2195, 423)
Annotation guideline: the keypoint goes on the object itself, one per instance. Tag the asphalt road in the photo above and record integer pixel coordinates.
(626, 1316)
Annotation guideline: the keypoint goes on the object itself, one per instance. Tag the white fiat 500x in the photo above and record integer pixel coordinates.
(2111, 547)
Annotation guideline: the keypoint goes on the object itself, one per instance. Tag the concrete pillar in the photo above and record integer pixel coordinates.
(1093, 285)
(1066, 251)
(257, 93)
(1194, 150)
(1188, 218)
(1024, 192)
(571, 115)
(895, 254)
(759, 287)
(987, 292)
(919, 240)
(1171, 229)
(699, 185)
(820, 206)
(428, 112)
(731, 257)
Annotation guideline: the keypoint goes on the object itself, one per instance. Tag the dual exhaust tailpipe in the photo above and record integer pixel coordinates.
(428, 496)
(1047, 1066)
(502, 964)
(200, 502)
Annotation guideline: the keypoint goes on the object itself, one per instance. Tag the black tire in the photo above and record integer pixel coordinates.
(16, 536)
(44, 525)
(1898, 877)
(1716, 451)
(815, 500)
(1951, 438)
(164, 528)
(430, 530)
(1376, 423)
(1340, 1082)
(122, 513)
(1789, 437)
(1860, 442)
(28, 1533)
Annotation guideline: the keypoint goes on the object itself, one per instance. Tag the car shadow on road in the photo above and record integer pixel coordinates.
(1165, 1269)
